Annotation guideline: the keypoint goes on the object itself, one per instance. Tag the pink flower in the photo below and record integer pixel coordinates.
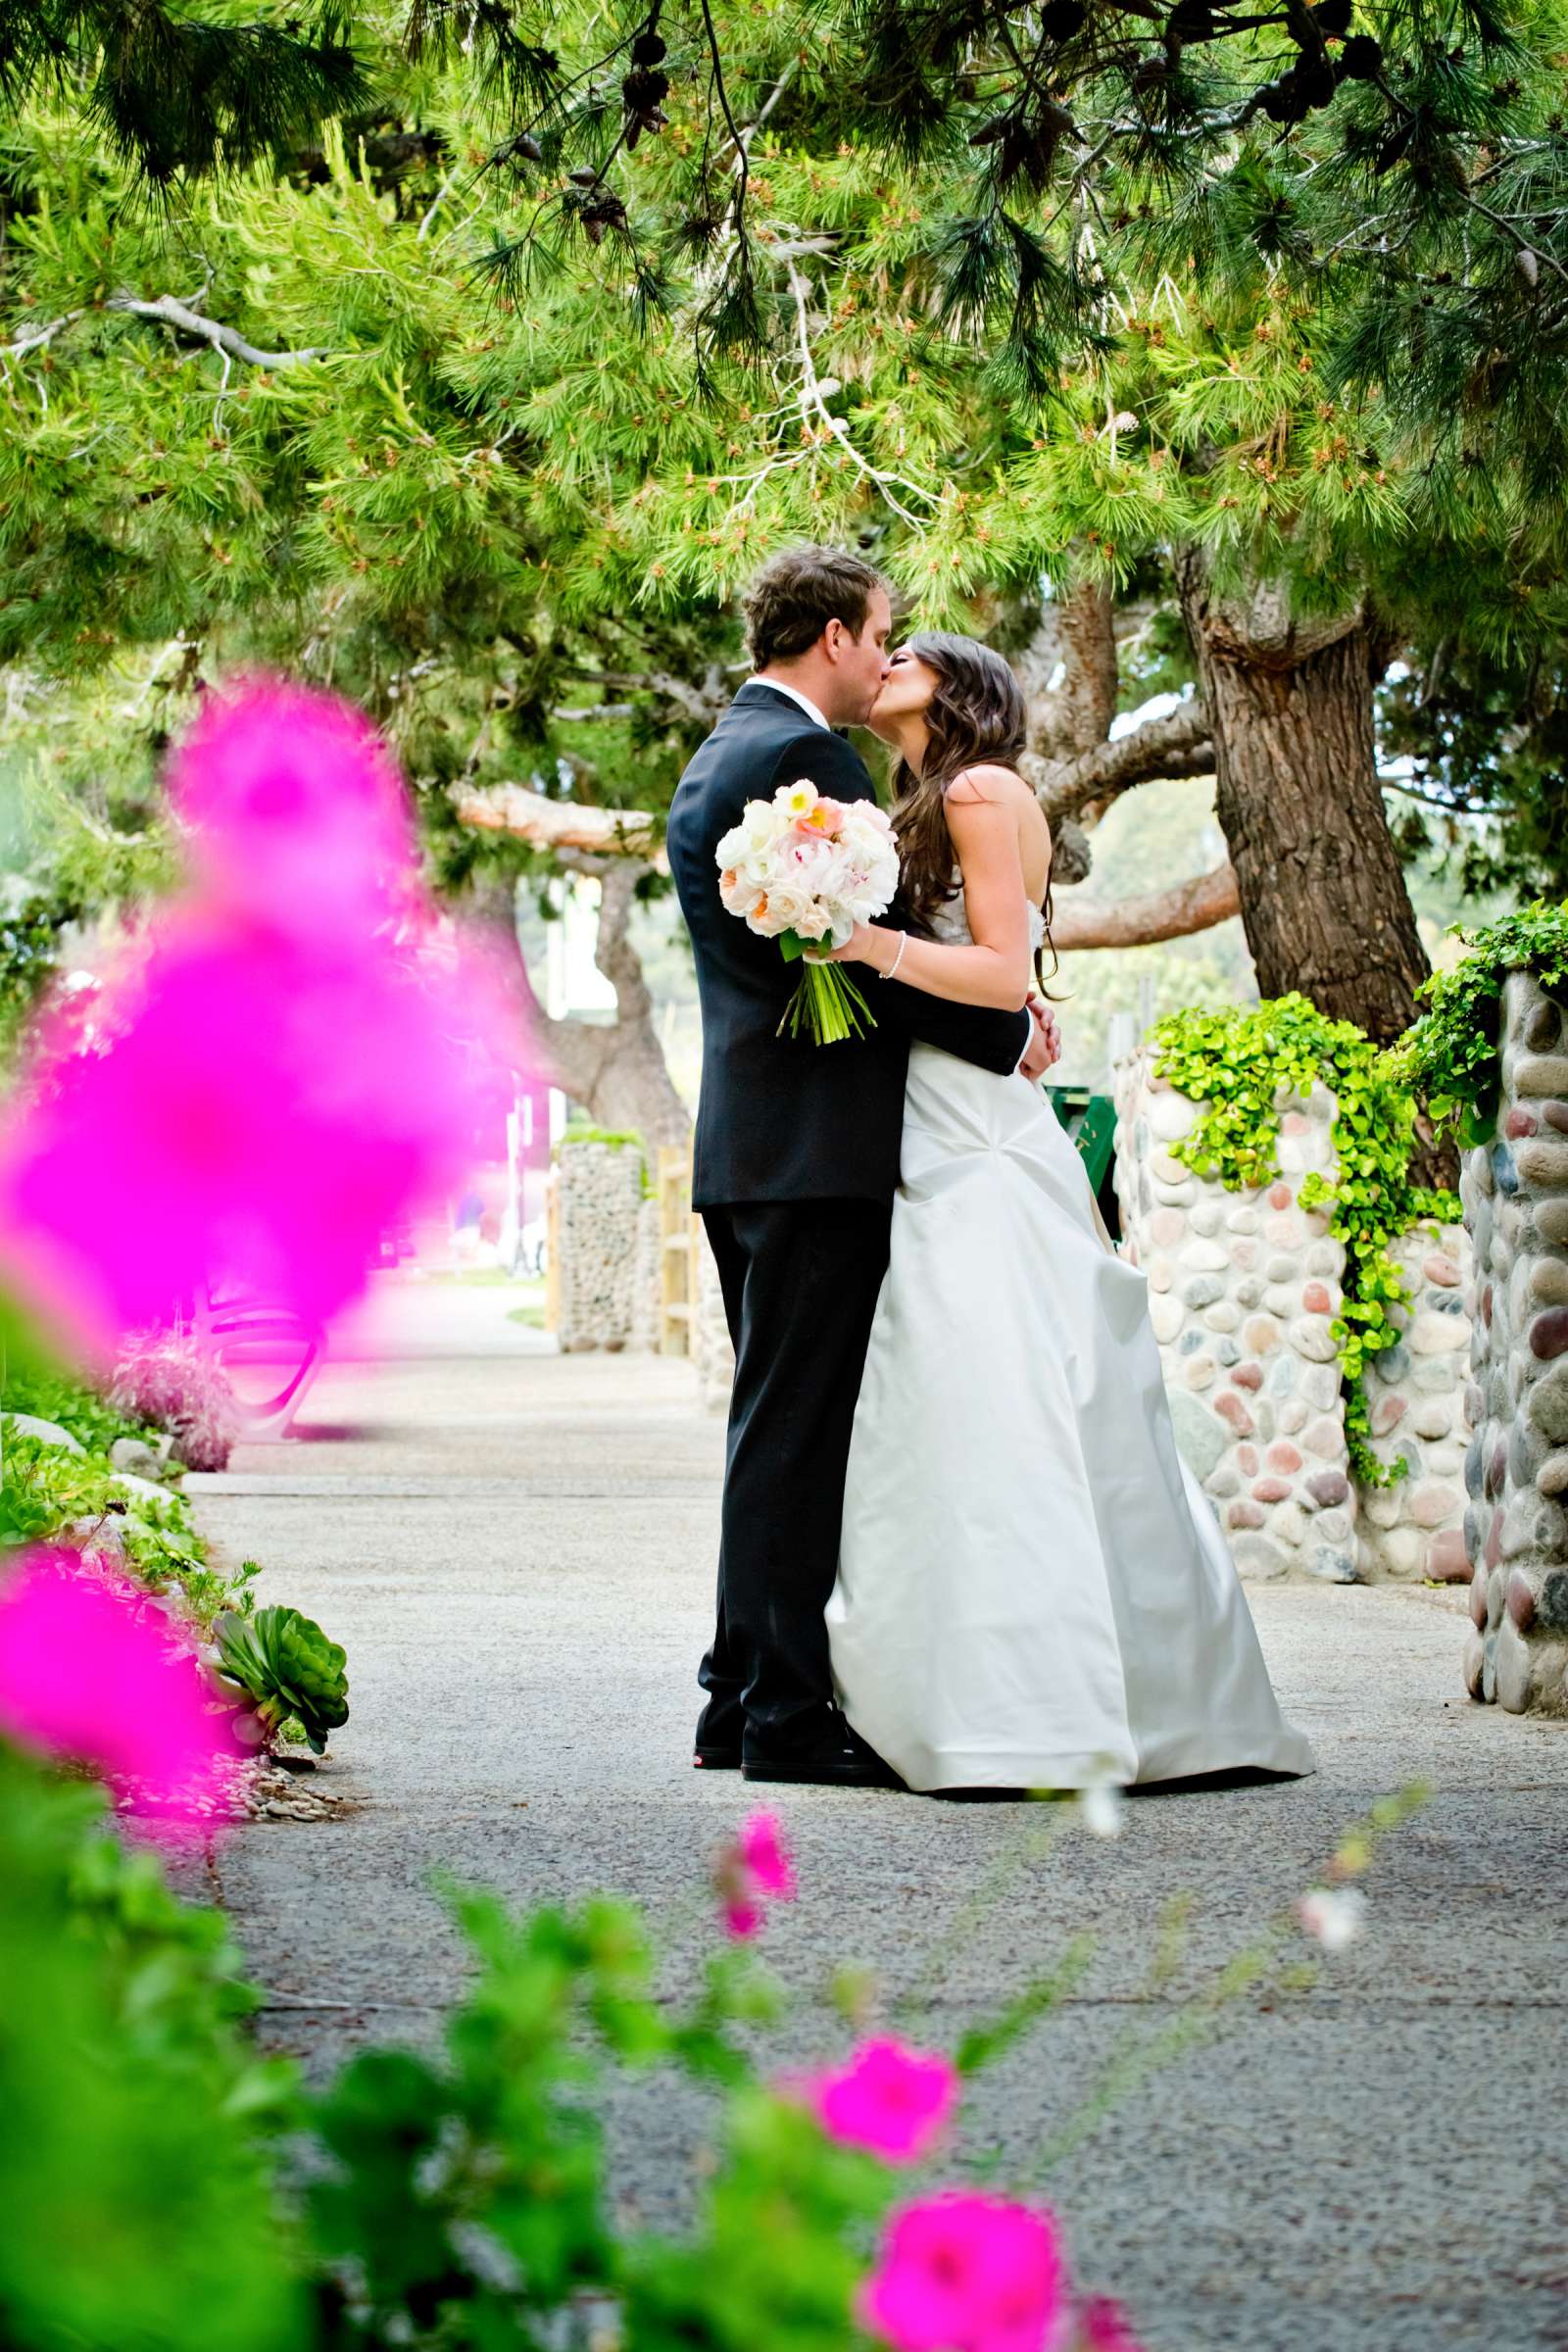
(889, 2099)
(959, 2273)
(764, 1855)
(1103, 2328)
(824, 817)
(255, 1107)
(90, 1670)
(749, 1872)
(742, 1920)
(295, 809)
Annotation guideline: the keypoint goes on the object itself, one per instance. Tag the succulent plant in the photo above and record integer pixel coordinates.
(285, 1666)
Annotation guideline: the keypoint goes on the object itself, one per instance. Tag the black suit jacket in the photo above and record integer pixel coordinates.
(781, 1118)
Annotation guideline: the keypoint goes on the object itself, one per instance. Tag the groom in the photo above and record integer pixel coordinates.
(797, 1161)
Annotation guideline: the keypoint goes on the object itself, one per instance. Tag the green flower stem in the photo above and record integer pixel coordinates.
(827, 1003)
(1198, 2020)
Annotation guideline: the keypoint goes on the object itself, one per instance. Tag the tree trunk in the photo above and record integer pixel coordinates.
(1323, 899)
(616, 1069)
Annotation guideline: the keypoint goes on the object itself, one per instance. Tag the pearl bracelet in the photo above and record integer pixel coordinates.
(904, 941)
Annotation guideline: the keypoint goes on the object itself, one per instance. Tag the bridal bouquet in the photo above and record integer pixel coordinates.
(805, 869)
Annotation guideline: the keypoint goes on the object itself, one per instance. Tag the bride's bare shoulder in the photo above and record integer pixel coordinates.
(986, 782)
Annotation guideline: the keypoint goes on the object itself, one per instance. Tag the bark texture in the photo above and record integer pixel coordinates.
(1323, 899)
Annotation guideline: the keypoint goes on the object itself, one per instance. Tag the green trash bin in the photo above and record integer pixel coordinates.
(1090, 1121)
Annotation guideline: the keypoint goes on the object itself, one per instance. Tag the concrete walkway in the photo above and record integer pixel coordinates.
(516, 1549)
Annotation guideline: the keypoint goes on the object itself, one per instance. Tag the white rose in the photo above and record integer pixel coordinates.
(792, 906)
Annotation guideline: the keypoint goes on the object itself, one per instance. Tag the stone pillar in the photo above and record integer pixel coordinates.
(1515, 1195)
(710, 1349)
(1244, 1288)
(1414, 1529)
(648, 1299)
(599, 1210)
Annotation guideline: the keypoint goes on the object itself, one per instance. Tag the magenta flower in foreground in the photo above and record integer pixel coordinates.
(766, 1856)
(253, 1109)
(294, 808)
(742, 1920)
(959, 2273)
(753, 1870)
(89, 1671)
(1103, 2326)
(892, 2100)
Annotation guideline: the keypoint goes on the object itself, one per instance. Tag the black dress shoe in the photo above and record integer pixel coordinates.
(715, 1759)
(842, 1760)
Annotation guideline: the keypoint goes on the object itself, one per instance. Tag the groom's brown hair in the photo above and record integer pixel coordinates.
(796, 594)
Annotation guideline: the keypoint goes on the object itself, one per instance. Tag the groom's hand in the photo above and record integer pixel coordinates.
(1044, 1046)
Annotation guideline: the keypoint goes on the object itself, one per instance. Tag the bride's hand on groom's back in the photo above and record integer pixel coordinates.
(1044, 1046)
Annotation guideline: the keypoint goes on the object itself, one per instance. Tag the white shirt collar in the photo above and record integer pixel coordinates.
(796, 696)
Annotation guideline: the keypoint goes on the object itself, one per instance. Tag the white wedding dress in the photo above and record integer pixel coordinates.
(1032, 1589)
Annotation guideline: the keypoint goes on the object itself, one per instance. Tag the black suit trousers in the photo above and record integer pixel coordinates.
(801, 1280)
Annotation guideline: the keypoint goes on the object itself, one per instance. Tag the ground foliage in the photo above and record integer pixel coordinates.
(465, 2195)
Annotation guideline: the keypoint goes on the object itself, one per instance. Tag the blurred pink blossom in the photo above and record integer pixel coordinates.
(295, 809)
(1103, 2326)
(90, 1669)
(959, 2273)
(292, 1061)
(889, 2099)
(765, 1854)
(255, 1109)
(751, 1871)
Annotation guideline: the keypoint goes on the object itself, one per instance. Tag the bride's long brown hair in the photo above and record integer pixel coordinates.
(977, 714)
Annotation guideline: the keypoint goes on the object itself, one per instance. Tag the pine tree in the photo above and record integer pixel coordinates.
(344, 416)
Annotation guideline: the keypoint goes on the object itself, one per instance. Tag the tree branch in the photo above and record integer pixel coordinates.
(1175, 913)
(1177, 745)
(703, 703)
(169, 312)
(555, 825)
(209, 331)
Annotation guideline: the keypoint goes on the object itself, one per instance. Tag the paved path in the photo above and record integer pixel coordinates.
(517, 1549)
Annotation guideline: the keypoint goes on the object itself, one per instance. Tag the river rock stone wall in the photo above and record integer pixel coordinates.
(599, 1215)
(1243, 1287)
(648, 1295)
(710, 1349)
(1515, 1195)
(1413, 1529)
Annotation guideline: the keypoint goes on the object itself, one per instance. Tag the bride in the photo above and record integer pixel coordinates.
(1032, 1591)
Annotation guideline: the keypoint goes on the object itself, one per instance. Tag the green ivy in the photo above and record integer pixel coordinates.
(1242, 1066)
(1452, 1056)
